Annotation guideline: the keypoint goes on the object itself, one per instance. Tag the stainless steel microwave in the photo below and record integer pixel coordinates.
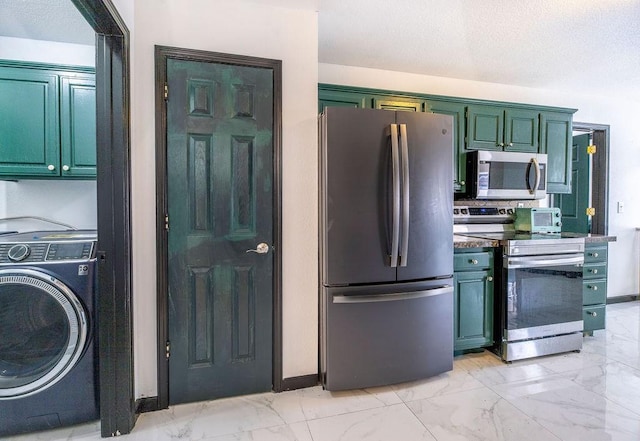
(506, 175)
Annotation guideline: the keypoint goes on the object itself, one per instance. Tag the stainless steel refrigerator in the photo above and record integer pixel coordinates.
(386, 246)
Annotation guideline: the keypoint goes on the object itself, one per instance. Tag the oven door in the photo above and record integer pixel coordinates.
(543, 296)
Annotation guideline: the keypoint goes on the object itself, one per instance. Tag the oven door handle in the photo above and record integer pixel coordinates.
(538, 261)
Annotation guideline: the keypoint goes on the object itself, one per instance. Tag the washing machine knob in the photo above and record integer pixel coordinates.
(18, 252)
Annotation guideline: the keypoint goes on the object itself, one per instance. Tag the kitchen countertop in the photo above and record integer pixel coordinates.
(461, 241)
(592, 238)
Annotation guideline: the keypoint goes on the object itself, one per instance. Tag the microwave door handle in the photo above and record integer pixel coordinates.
(537, 167)
(404, 241)
(395, 178)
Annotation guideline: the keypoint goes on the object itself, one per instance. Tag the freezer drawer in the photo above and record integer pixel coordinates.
(379, 335)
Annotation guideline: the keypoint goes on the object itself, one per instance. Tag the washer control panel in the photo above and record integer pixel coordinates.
(31, 252)
(69, 251)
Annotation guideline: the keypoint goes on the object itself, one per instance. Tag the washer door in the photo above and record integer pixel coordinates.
(43, 331)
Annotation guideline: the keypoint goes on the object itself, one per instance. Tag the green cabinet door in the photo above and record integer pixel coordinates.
(497, 128)
(485, 127)
(398, 103)
(328, 98)
(29, 136)
(594, 292)
(456, 110)
(473, 309)
(78, 126)
(521, 130)
(555, 141)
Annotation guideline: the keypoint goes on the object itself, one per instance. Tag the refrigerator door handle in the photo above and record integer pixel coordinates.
(395, 224)
(404, 241)
(392, 297)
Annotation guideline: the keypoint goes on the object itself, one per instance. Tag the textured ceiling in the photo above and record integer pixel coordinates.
(537, 43)
(49, 20)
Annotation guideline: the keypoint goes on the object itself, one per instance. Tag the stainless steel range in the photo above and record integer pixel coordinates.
(539, 302)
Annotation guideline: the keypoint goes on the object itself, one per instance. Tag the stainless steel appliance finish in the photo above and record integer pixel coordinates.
(386, 254)
(539, 304)
(507, 175)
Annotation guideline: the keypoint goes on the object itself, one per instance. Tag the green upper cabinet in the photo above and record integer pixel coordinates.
(29, 130)
(479, 125)
(497, 128)
(456, 110)
(556, 142)
(78, 126)
(398, 103)
(47, 122)
(327, 98)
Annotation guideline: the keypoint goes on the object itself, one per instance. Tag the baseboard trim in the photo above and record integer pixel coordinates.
(300, 382)
(621, 299)
(146, 404)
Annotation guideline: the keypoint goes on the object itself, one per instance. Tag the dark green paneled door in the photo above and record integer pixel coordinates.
(574, 205)
(220, 204)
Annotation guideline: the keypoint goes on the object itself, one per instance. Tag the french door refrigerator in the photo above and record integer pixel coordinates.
(386, 246)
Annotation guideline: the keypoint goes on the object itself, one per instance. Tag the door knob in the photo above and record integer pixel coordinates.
(262, 248)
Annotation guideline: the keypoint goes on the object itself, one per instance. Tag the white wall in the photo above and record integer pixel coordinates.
(72, 202)
(22, 49)
(617, 109)
(243, 28)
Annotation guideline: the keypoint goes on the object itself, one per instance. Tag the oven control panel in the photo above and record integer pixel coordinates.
(483, 215)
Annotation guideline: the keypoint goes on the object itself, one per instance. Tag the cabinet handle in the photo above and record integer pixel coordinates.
(510, 144)
(593, 287)
(65, 167)
(473, 261)
(490, 279)
(461, 182)
(594, 254)
(594, 271)
(51, 167)
(501, 144)
(592, 313)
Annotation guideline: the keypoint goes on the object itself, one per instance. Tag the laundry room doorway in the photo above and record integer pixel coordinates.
(115, 322)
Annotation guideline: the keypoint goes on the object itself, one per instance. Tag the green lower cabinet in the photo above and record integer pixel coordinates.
(594, 287)
(473, 300)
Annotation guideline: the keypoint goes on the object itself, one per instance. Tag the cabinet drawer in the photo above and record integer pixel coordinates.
(595, 254)
(594, 291)
(595, 270)
(472, 261)
(593, 317)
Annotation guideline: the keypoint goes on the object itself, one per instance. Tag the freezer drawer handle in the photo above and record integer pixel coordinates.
(404, 242)
(395, 226)
(392, 297)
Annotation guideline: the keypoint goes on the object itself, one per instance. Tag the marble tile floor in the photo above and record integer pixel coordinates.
(587, 396)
